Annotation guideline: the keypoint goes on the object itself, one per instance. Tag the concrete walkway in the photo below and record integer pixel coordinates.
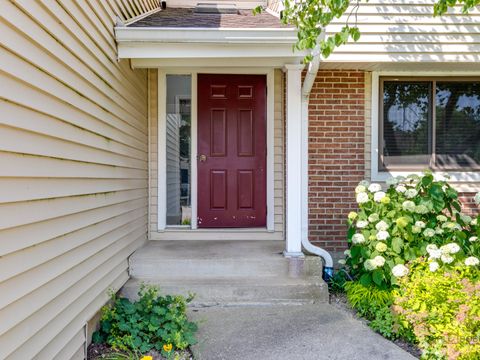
(302, 332)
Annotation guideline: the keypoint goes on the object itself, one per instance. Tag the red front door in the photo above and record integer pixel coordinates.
(231, 151)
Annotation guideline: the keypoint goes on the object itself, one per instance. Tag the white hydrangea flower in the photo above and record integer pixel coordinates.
(439, 231)
(434, 266)
(379, 261)
(411, 193)
(447, 259)
(429, 233)
(347, 253)
(358, 239)
(472, 261)
(369, 265)
(361, 224)
(364, 183)
(381, 225)
(473, 238)
(451, 248)
(374, 187)
(420, 224)
(381, 247)
(362, 198)
(436, 254)
(400, 270)
(477, 198)
(360, 189)
(431, 247)
(408, 206)
(352, 215)
(378, 196)
(341, 262)
(473, 222)
(416, 229)
(373, 217)
(400, 189)
(421, 209)
(442, 218)
(391, 181)
(451, 225)
(383, 235)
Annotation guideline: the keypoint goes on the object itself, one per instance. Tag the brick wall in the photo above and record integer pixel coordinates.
(339, 154)
(336, 153)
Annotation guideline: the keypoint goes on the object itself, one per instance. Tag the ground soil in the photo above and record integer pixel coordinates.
(101, 351)
(339, 300)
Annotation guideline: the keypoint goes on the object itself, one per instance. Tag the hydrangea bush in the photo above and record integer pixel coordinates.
(415, 216)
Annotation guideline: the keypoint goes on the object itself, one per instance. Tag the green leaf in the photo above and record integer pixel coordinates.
(397, 245)
(377, 276)
(366, 279)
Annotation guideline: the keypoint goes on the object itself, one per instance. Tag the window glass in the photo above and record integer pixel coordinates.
(178, 140)
(406, 114)
(457, 128)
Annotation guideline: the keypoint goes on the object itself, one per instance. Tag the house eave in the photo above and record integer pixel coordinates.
(206, 35)
(206, 43)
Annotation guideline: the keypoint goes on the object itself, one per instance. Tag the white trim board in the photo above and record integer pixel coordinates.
(463, 181)
(269, 72)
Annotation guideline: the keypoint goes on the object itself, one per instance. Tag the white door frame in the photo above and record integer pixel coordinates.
(162, 97)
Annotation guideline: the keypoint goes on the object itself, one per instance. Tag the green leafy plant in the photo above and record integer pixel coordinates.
(366, 300)
(415, 216)
(443, 309)
(153, 322)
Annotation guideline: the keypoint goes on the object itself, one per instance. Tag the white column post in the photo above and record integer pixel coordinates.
(294, 161)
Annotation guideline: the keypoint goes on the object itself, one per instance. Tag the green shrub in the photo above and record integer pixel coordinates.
(366, 300)
(149, 323)
(395, 226)
(443, 309)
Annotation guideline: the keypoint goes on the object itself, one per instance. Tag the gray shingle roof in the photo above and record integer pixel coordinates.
(187, 18)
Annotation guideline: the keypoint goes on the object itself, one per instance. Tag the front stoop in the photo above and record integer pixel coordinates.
(227, 273)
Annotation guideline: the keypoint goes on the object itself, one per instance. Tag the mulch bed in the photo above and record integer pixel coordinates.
(100, 351)
(339, 300)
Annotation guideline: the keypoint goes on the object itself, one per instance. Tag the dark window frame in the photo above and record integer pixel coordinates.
(431, 122)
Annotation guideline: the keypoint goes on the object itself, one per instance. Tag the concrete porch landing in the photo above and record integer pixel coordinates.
(227, 272)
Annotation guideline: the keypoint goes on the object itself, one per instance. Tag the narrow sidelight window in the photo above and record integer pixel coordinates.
(429, 123)
(178, 134)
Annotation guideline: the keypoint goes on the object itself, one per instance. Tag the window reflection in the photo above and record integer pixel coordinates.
(178, 140)
(457, 130)
(406, 107)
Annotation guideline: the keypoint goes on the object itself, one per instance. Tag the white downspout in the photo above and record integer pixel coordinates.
(306, 88)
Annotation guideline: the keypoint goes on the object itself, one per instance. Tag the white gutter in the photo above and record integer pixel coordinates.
(124, 34)
(306, 88)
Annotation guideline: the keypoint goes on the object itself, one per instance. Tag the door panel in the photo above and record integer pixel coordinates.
(232, 150)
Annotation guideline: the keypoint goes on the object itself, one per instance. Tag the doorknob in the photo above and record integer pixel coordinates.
(202, 158)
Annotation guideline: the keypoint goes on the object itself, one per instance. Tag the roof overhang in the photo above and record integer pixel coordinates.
(148, 47)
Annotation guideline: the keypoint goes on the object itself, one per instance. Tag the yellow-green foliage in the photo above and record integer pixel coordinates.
(367, 299)
(443, 308)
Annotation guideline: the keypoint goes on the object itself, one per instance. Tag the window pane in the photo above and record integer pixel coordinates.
(457, 125)
(179, 210)
(406, 113)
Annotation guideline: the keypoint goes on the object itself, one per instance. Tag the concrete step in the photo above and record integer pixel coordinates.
(239, 291)
(214, 259)
(227, 272)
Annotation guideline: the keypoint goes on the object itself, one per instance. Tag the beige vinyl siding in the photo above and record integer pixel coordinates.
(395, 31)
(73, 170)
(278, 234)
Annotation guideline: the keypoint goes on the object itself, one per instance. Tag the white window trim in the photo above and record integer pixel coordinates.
(162, 188)
(466, 180)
